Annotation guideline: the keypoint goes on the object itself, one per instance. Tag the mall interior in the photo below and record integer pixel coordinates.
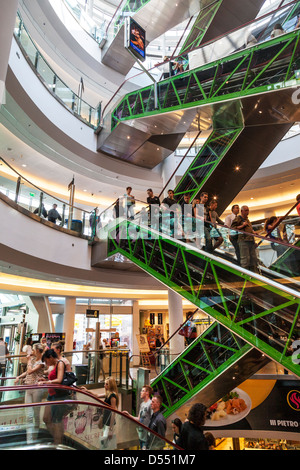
(105, 105)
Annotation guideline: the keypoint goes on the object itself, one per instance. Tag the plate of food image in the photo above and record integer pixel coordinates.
(232, 408)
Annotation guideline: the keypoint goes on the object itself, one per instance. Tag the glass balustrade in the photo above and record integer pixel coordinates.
(89, 114)
(37, 201)
(77, 421)
(95, 30)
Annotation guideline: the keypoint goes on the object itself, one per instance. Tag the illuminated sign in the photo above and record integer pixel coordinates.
(92, 313)
(293, 399)
(135, 39)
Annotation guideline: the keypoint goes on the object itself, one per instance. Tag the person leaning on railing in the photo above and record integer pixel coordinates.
(246, 240)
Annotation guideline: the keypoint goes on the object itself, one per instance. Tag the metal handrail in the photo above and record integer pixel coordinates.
(41, 190)
(100, 405)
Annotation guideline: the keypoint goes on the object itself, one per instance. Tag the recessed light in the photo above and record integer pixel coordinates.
(85, 190)
(24, 166)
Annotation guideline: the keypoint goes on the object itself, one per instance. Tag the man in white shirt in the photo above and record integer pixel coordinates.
(145, 414)
(233, 235)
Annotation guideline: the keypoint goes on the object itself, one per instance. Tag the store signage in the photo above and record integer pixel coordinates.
(92, 313)
(50, 337)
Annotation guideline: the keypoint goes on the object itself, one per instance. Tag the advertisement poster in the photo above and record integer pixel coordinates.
(269, 406)
(135, 39)
(143, 343)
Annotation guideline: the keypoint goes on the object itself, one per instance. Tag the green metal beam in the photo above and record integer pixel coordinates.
(253, 308)
(251, 71)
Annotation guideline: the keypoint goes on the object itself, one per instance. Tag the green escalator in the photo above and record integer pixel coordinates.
(247, 99)
(245, 73)
(245, 102)
(257, 318)
(288, 264)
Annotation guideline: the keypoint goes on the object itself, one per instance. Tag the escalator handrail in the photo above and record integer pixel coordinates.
(82, 402)
(263, 238)
(205, 254)
(280, 220)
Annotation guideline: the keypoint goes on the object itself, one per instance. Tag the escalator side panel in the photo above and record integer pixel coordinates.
(255, 309)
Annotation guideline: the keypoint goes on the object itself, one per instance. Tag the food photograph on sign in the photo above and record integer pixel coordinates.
(232, 408)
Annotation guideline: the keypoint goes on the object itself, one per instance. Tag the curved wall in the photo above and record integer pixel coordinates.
(56, 30)
(66, 133)
(29, 247)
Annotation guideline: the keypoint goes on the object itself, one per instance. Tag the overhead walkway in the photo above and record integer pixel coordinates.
(159, 16)
(257, 318)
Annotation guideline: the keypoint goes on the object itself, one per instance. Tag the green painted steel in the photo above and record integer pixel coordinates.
(263, 68)
(262, 312)
(130, 7)
(205, 162)
(212, 353)
(200, 26)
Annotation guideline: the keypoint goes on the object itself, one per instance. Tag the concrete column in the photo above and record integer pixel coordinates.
(135, 331)
(175, 320)
(69, 319)
(167, 169)
(7, 22)
(90, 9)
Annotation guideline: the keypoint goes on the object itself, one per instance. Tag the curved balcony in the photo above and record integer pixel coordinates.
(71, 100)
(52, 250)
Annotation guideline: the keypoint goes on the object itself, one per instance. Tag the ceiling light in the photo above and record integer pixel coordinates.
(24, 165)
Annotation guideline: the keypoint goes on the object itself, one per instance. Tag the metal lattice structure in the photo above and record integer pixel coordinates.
(259, 69)
(255, 308)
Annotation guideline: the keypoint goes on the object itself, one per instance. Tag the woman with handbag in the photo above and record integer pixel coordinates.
(34, 373)
(53, 416)
(107, 421)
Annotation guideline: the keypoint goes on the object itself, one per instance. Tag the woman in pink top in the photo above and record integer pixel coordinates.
(53, 415)
(33, 374)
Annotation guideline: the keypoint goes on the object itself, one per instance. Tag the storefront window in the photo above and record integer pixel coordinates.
(121, 323)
